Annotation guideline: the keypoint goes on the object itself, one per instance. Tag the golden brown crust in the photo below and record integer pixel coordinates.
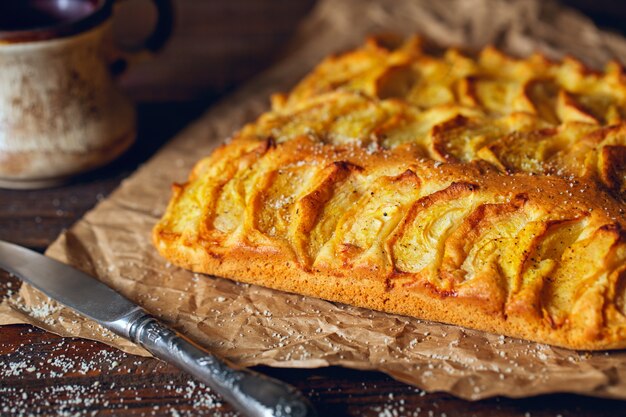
(489, 196)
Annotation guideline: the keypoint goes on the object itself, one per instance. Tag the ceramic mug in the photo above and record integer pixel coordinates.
(61, 112)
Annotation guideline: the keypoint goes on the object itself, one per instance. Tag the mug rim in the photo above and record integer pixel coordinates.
(101, 13)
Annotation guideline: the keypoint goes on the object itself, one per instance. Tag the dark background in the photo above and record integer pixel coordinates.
(219, 43)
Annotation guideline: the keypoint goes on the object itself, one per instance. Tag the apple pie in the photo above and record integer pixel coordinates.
(484, 191)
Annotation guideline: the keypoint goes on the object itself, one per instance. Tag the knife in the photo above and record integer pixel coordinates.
(249, 392)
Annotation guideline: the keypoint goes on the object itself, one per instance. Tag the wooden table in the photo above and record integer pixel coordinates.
(42, 374)
(45, 375)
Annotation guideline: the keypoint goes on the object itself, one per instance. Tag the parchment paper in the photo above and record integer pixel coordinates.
(251, 325)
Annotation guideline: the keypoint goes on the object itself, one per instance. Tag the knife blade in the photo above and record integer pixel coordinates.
(249, 392)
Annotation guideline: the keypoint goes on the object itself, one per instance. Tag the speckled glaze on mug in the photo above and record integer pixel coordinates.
(61, 112)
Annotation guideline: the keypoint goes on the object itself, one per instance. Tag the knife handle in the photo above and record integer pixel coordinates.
(251, 393)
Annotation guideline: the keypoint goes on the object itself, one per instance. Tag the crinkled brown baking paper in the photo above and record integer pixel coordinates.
(252, 325)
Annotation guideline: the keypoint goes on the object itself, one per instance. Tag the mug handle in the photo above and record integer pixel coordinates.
(153, 43)
(163, 29)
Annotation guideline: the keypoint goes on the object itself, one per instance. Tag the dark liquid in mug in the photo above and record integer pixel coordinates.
(35, 14)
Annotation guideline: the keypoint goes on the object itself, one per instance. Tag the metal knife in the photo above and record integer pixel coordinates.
(251, 393)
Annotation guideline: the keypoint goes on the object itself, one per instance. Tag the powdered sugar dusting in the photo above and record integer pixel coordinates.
(82, 378)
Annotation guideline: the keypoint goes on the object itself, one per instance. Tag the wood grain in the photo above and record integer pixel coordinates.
(80, 377)
(45, 375)
(215, 44)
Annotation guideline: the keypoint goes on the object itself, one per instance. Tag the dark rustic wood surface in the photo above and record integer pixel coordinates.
(215, 43)
(42, 374)
(45, 375)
